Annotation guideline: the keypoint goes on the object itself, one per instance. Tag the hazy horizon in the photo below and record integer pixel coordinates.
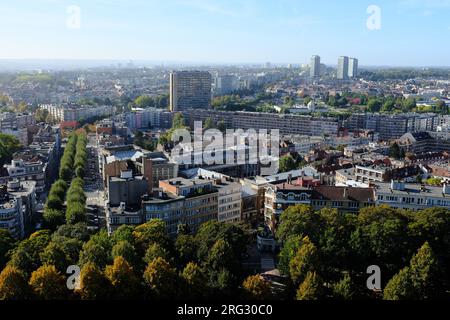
(30, 64)
(400, 33)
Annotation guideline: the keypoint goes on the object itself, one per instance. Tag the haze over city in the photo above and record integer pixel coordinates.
(252, 153)
(411, 33)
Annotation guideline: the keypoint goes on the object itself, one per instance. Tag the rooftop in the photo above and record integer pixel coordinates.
(343, 193)
(412, 189)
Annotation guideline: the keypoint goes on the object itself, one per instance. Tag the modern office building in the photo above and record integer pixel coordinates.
(342, 69)
(315, 67)
(190, 90)
(352, 68)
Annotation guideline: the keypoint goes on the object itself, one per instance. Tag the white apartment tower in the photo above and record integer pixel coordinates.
(315, 67)
(342, 69)
(353, 68)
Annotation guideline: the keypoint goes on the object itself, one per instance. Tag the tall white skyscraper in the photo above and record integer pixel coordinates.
(315, 67)
(342, 69)
(353, 68)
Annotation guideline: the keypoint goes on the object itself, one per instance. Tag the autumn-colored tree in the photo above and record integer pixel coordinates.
(195, 281)
(311, 288)
(13, 284)
(48, 283)
(305, 260)
(93, 283)
(256, 288)
(288, 251)
(161, 279)
(124, 282)
(153, 231)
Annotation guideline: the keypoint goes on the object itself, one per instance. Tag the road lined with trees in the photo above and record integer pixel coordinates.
(69, 187)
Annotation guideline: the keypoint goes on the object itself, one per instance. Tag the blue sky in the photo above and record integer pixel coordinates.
(413, 32)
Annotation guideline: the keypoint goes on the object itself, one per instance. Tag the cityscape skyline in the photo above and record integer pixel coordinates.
(222, 32)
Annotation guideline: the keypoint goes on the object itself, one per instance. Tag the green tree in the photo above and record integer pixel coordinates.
(298, 220)
(53, 218)
(6, 244)
(374, 105)
(25, 256)
(221, 125)
(288, 251)
(209, 124)
(306, 260)
(178, 121)
(287, 163)
(344, 289)
(399, 287)
(94, 253)
(236, 236)
(123, 233)
(395, 151)
(144, 102)
(8, 146)
(384, 236)
(221, 257)
(61, 252)
(77, 231)
(126, 250)
(432, 225)
(76, 212)
(421, 280)
(186, 247)
(154, 251)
